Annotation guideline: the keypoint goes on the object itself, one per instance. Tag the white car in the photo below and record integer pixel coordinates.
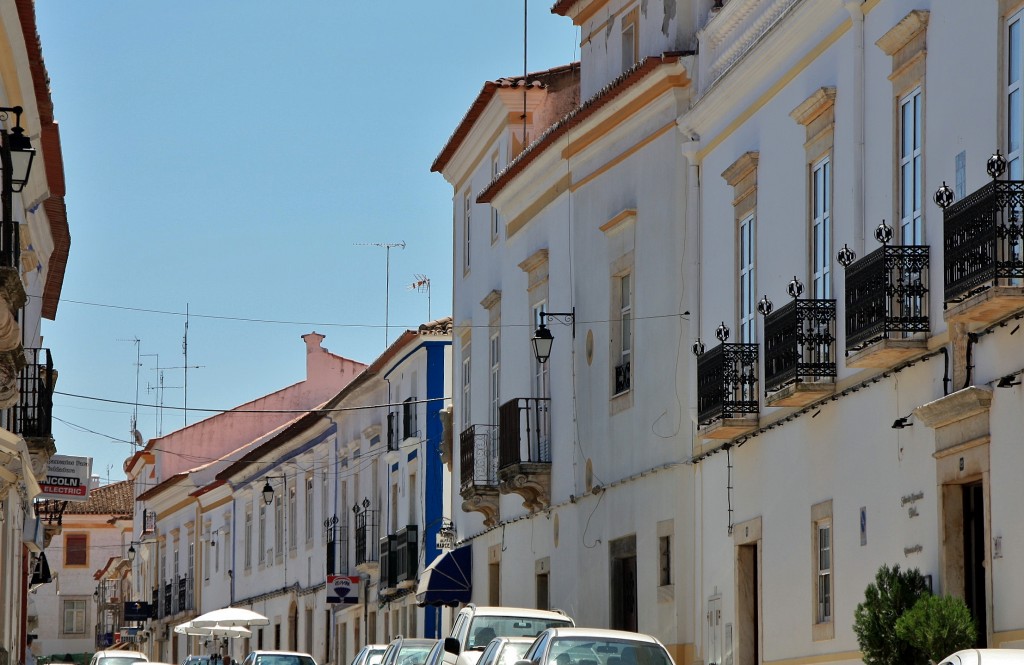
(278, 658)
(595, 646)
(118, 657)
(371, 654)
(985, 657)
(475, 627)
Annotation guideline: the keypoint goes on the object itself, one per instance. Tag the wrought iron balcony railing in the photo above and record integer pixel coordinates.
(478, 456)
(366, 537)
(524, 431)
(160, 612)
(982, 240)
(799, 343)
(887, 294)
(727, 382)
(622, 377)
(32, 416)
(168, 607)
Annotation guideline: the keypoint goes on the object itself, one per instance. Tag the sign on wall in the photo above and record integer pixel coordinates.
(67, 478)
(343, 589)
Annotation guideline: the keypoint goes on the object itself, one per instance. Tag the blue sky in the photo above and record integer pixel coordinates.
(228, 157)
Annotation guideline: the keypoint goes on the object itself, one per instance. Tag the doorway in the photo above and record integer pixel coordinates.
(623, 584)
(974, 558)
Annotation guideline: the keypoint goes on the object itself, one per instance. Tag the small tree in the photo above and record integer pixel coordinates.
(874, 621)
(938, 626)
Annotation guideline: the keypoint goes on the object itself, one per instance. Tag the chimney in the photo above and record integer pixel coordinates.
(314, 352)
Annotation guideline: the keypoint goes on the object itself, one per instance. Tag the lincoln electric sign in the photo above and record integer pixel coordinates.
(67, 478)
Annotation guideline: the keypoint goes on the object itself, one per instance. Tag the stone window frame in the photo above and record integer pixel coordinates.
(817, 115)
(821, 513)
(906, 44)
(537, 269)
(1009, 12)
(666, 530)
(741, 175)
(620, 232)
(492, 303)
(630, 22)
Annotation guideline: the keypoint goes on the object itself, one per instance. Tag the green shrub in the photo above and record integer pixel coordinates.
(938, 626)
(874, 621)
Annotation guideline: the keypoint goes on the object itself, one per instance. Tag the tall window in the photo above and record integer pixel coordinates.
(262, 553)
(278, 525)
(76, 549)
(248, 539)
(323, 499)
(911, 229)
(293, 538)
(821, 228)
(207, 553)
(495, 219)
(309, 509)
(625, 322)
(665, 560)
(495, 387)
(1014, 107)
(414, 502)
(824, 533)
(74, 617)
(746, 276)
(466, 367)
(190, 571)
(630, 38)
(466, 215)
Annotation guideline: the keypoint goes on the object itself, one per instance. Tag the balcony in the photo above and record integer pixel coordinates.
(161, 611)
(406, 556)
(168, 607)
(887, 306)
(31, 415)
(524, 450)
(732, 31)
(367, 554)
(799, 352)
(982, 262)
(727, 403)
(478, 465)
(337, 546)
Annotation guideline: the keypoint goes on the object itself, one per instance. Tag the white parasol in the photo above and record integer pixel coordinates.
(215, 630)
(231, 616)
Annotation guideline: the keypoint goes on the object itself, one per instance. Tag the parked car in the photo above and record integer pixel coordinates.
(475, 627)
(985, 657)
(371, 654)
(407, 651)
(437, 654)
(118, 657)
(505, 650)
(278, 658)
(196, 660)
(595, 646)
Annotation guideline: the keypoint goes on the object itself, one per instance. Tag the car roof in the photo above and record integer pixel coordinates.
(517, 638)
(109, 653)
(271, 652)
(985, 656)
(525, 612)
(410, 641)
(602, 633)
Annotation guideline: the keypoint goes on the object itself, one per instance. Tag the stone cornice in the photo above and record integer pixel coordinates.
(491, 299)
(900, 34)
(741, 168)
(820, 101)
(957, 406)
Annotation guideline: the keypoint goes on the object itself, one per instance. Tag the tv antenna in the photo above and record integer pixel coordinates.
(421, 284)
(388, 246)
(138, 365)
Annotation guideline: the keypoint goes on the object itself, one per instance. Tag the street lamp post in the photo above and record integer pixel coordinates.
(16, 155)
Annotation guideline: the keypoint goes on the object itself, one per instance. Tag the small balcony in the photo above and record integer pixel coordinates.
(799, 352)
(406, 556)
(366, 551)
(337, 546)
(727, 403)
(524, 450)
(887, 306)
(31, 415)
(983, 264)
(478, 464)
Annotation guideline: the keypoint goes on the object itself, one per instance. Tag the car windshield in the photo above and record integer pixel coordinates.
(512, 652)
(374, 657)
(594, 651)
(413, 654)
(283, 659)
(486, 628)
(120, 660)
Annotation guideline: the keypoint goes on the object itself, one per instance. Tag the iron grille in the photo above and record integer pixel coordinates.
(887, 293)
(982, 237)
(182, 593)
(726, 382)
(478, 456)
(393, 434)
(32, 416)
(388, 561)
(366, 536)
(168, 609)
(524, 431)
(156, 603)
(622, 377)
(799, 343)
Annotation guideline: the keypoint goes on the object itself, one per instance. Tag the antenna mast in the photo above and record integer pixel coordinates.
(421, 284)
(387, 277)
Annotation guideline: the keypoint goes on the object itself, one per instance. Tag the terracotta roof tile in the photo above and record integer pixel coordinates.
(114, 499)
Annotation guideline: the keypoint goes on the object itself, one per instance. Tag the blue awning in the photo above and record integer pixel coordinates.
(448, 580)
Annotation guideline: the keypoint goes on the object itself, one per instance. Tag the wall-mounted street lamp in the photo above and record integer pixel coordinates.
(268, 490)
(16, 154)
(543, 339)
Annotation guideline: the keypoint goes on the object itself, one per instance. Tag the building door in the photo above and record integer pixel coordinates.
(974, 558)
(624, 612)
(748, 605)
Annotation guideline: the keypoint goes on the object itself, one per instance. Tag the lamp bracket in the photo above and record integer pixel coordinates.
(5, 114)
(565, 318)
